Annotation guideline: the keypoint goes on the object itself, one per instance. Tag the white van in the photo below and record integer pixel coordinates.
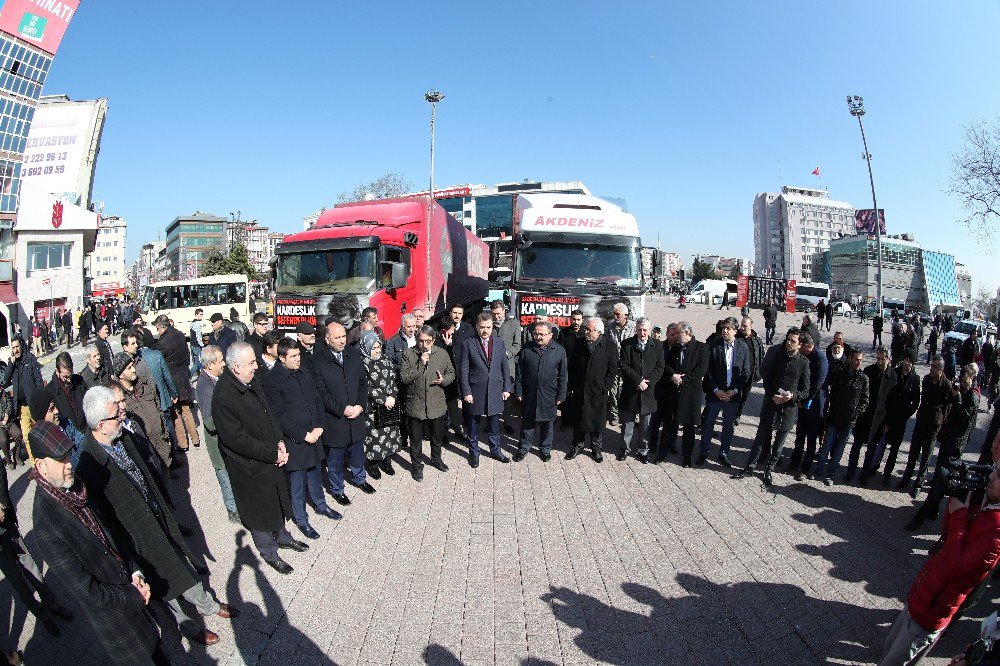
(711, 291)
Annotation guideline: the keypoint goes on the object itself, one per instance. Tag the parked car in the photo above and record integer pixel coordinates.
(843, 308)
(804, 305)
(964, 328)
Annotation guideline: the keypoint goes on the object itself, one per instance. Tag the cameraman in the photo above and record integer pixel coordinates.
(967, 552)
(958, 426)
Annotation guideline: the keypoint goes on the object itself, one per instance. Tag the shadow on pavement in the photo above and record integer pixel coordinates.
(716, 623)
(439, 655)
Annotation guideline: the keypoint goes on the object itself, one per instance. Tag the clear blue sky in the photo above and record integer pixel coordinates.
(274, 108)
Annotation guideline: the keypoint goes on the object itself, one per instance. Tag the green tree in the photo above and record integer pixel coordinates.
(237, 260)
(702, 270)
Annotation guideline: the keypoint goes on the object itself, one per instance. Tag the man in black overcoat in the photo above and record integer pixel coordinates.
(686, 365)
(100, 574)
(641, 366)
(292, 395)
(540, 385)
(68, 389)
(785, 373)
(593, 370)
(868, 429)
(127, 498)
(343, 388)
(253, 451)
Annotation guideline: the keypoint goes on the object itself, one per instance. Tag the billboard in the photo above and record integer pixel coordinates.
(759, 291)
(61, 149)
(864, 221)
(39, 22)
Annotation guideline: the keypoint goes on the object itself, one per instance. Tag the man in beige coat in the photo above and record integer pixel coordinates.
(425, 371)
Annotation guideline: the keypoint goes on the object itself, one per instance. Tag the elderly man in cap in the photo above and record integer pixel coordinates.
(222, 335)
(43, 407)
(305, 333)
(127, 498)
(99, 573)
(254, 453)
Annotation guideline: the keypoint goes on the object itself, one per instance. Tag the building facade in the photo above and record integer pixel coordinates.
(672, 263)
(190, 238)
(107, 262)
(142, 270)
(793, 227)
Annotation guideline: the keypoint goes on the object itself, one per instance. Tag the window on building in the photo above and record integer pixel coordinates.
(45, 256)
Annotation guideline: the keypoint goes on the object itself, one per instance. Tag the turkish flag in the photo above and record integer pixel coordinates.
(816, 171)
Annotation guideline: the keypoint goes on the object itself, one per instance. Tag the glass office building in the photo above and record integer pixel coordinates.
(190, 238)
(941, 279)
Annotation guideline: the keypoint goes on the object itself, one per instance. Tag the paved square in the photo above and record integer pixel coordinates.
(559, 563)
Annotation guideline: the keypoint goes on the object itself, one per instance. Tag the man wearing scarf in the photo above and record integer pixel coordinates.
(102, 577)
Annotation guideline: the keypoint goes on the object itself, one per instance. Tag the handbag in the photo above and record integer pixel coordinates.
(384, 417)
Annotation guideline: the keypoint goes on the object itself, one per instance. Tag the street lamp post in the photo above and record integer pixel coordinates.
(857, 108)
(432, 96)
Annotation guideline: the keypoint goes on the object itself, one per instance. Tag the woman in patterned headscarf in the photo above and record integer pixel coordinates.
(384, 436)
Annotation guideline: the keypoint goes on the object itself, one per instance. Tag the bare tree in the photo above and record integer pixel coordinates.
(386, 186)
(975, 177)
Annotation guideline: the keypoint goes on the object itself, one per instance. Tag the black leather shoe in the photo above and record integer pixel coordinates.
(517, 457)
(500, 457)
(701, 460)
(297, 546)
(545, 456)
(418, 473)
(724, 461)
(473, 462)
(388, 468)
(342, 499)
(598, 457)
(439, 465)
(686, 464)
(574, 452)
(280, 566)
(308, 531)
(743, 473)
(768, 481)
(621, 456)
(366, 488)
(374, 472)
(331, 514)
(643, 458)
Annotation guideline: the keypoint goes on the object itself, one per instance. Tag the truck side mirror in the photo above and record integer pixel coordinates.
(398, 275)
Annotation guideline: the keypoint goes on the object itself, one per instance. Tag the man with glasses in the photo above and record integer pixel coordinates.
(425, 370)
(786, 383)
(935, 396)
(256, 338)
(541, 378)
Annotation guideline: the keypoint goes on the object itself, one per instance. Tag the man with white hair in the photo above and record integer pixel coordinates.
(127, 498)
(253, 451)
(641, 366)
(593, 368)
(619, 329)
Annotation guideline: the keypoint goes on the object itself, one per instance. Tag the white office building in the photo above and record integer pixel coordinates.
(107, 261)
(794, 227)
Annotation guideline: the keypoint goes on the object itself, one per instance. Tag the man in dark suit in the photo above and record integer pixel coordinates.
(686, 365)
(756, 348)
(484, 383)
(104, 347)
(126, 496)
(727, 377)
(68, 390)
(253, 451)
(343, 388)
(100, 574)
(811, 411)
(292, 395)
(786, 382)
(540, 381)
(641, 366)
(593, 371)
(868, 429)
(23, 375)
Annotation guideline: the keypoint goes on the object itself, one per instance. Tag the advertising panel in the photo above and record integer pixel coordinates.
(57, 155)
(759, 291)
(864, 221)
(559, 307)
(290, 311)
(39, 22)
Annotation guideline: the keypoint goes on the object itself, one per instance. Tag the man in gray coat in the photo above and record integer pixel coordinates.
(541, 379)
(641, 366)
(426, 370)
(484, 383)
(507, 329)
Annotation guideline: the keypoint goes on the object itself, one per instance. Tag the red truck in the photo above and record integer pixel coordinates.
(375, 253)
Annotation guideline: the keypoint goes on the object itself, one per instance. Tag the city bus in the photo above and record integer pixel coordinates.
(812, 292)
(178, 299)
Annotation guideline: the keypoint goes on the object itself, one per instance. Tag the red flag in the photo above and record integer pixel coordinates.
(816, 171)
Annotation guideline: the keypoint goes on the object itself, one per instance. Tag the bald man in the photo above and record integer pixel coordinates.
(343, 387)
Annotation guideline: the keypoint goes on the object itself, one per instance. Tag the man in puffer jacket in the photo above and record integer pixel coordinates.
(968, 551)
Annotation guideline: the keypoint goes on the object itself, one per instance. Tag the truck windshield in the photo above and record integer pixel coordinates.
(324, 271)
(605, 264)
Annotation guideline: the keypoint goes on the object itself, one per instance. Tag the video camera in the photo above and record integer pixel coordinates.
(965, 478)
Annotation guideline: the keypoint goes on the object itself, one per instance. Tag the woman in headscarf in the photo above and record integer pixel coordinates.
(383, 437)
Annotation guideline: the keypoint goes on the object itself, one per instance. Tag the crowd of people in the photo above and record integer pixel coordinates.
(291, 420)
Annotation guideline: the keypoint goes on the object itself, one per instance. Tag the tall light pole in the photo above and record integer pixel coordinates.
(432, 96)
(857, 107)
